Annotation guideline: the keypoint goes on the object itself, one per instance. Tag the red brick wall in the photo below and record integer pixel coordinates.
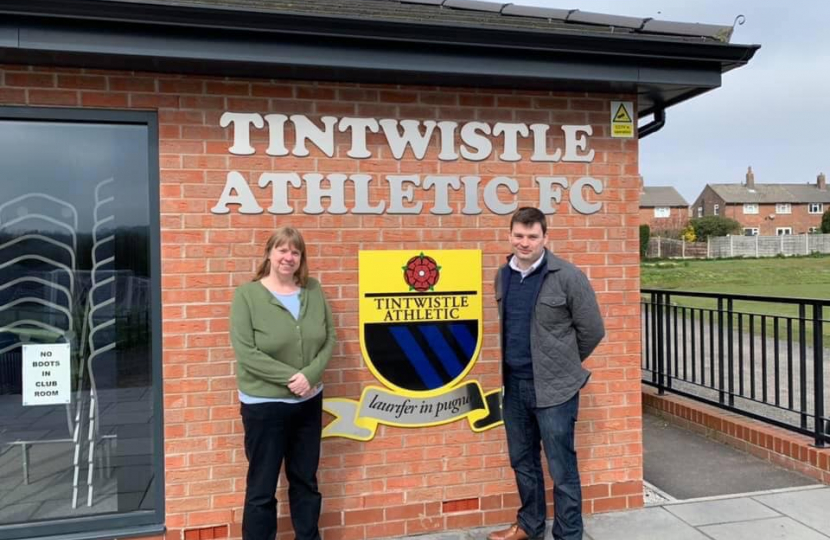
(800, 220)
(676, 221)
(405, 481)
(707, 200)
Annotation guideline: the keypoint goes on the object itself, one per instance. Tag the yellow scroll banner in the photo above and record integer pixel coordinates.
(359, 419)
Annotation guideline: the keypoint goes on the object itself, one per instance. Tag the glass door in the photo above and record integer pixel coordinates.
(80, 418)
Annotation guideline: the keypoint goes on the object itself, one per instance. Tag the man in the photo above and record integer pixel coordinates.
(550, 323)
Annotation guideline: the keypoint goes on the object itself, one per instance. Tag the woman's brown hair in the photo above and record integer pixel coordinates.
(292, 237)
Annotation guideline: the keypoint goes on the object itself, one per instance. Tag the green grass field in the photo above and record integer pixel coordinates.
(802, 277)
(794, 277)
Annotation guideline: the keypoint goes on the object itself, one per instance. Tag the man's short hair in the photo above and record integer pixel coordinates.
(527, 216)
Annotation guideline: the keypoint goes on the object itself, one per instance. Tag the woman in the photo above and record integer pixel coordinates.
(283, 337)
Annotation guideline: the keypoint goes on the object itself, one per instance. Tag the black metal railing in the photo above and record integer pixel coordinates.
(763, 357)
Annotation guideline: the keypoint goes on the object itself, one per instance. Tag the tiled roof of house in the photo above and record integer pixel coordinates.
(661, 196)
(771, 193)
(470, 13)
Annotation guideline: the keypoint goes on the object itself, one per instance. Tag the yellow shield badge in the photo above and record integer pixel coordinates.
(420, 335)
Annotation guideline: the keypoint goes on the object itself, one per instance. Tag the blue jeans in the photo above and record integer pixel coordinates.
(528, 427)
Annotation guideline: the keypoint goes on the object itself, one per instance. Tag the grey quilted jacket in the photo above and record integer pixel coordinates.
(566, 328)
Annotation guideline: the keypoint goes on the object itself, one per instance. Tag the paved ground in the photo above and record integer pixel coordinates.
(795, 514)
(685, 465)
(720, 482)
(800, 514)
(728, 495)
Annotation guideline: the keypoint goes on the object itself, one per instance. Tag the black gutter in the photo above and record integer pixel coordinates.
(655, 125)
(660, 103)
(137, 36)
(635, 45)
(61, 42)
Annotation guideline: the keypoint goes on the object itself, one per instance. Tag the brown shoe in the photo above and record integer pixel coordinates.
(514, 532)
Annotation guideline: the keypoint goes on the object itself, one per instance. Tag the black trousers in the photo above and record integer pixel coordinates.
(274, 431)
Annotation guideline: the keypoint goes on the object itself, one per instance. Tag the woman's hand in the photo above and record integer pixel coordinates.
(298, 384)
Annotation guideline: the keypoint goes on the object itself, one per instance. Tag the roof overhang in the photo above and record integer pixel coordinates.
(138, 36)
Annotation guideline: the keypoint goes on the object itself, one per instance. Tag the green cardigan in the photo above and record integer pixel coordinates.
(271, 346)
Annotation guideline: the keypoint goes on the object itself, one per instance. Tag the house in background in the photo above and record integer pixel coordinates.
(662, 208)
(767, 209)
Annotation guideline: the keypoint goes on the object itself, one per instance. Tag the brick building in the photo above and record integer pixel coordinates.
(663, 209)
(767, 209)
(150, 148)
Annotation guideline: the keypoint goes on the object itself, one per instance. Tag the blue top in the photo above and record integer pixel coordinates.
(290, 301)
(519, 303)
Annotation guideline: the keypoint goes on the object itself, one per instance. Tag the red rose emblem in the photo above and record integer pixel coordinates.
(421, 273)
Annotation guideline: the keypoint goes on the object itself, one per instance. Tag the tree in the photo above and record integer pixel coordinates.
(714, 226)
(825, 222)
(645, 236)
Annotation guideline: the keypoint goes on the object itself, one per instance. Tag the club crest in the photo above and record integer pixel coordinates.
(420, 315)
(423, 332)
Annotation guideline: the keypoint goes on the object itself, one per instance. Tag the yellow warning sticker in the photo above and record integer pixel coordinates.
(622, 119)
(622, 114)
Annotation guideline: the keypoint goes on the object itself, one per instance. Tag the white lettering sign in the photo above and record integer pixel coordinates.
(499, 194)
(47, 374)
(406, 193)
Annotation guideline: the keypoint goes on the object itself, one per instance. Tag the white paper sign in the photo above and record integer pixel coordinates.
(47, 374)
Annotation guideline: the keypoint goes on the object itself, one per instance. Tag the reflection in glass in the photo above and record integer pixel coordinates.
(74, 268)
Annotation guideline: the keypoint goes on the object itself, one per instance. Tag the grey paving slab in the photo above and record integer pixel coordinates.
(686, 465)
(721, 511)
(644, 524)
(448, 536)
(810, 507)
(479, 533)
(782, 528)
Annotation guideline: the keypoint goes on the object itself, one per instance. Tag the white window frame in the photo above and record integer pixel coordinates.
(815, 208)
(662, 212)
(753, 231)
(813, 230)
(716, 210)
(699, 211)
(783, 231)
(783, 208)
(751, 208)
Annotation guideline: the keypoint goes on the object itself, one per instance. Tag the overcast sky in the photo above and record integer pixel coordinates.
(772, 114)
